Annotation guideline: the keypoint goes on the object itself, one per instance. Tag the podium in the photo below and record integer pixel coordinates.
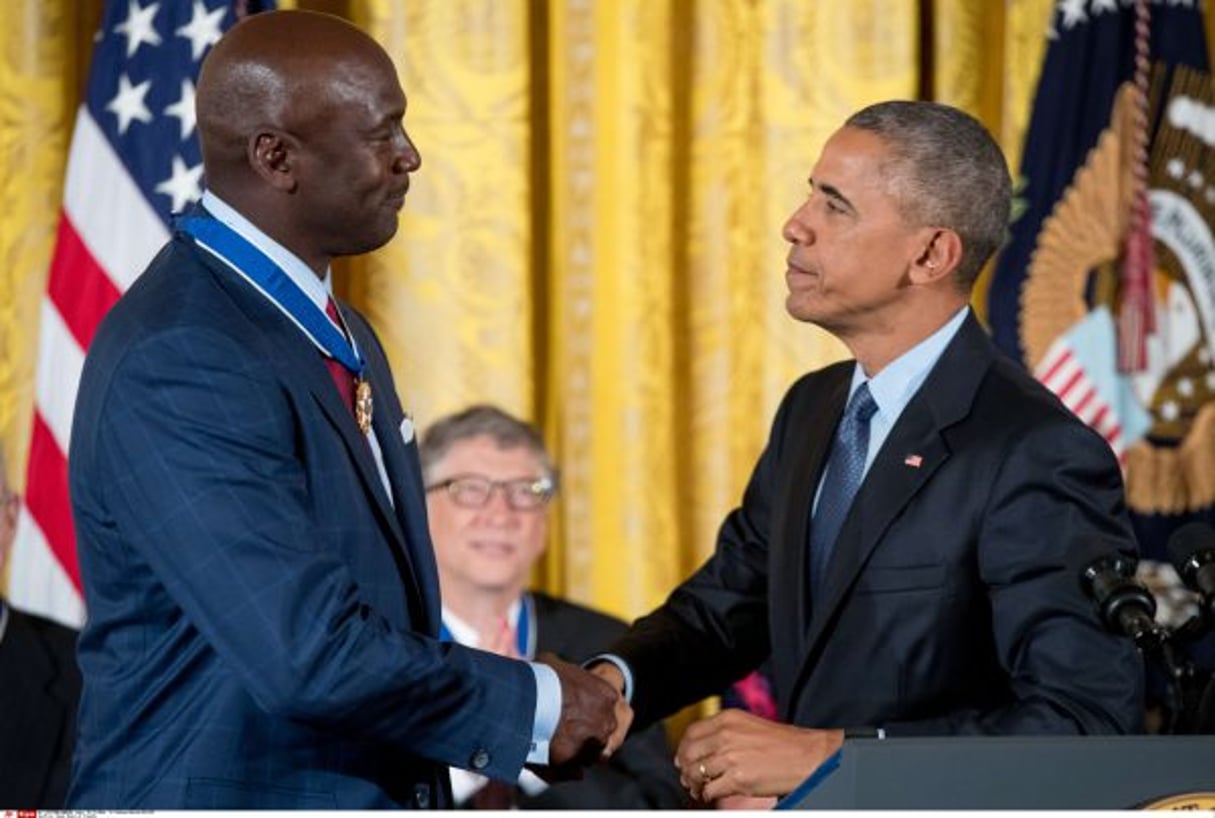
(1014, 772)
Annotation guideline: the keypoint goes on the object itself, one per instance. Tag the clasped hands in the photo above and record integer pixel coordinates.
(595, 718)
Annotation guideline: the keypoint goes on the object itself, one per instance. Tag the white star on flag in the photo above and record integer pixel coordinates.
(183, 109)
(1073, 12)
(182, 186)
(203, 29)
(128, 103)
(138, 27)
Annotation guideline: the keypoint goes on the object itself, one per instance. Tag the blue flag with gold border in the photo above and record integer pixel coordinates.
(1056, 301)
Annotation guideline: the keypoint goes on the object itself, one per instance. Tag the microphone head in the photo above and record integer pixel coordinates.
(1124, 606)
(1097, 566)
(1190, 547)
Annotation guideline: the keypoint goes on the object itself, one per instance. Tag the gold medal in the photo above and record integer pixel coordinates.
(362, 403)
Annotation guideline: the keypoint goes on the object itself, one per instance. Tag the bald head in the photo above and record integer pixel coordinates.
(301, 118)
(278, 71)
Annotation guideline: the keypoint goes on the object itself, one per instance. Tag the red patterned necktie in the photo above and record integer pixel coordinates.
(343, 379)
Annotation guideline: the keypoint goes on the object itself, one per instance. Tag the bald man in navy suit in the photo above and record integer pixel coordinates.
(250, 516)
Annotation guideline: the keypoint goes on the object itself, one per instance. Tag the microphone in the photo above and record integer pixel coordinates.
(1124, 605)
(1192, 550)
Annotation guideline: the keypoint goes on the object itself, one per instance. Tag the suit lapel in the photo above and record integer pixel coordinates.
(891, 482)
(889, 485)
(810, 458)
(306, 369)
(405, 477)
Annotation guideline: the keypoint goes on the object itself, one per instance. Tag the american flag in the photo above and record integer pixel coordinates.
(134, 161)
(1064, 373)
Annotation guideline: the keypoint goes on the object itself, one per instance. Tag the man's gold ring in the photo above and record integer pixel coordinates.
(704, 774)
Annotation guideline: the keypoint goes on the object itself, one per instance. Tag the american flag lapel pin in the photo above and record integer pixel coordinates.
(913, 460)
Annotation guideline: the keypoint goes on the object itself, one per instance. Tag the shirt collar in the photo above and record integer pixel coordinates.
(465, 634)
(318, 290)
(894, 387)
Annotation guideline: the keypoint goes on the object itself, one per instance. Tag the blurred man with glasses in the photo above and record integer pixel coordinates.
(489, 480)
(39, 689)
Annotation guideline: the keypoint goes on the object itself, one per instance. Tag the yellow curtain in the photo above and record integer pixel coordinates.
(593, 241)
(43, 63)
(602, 251)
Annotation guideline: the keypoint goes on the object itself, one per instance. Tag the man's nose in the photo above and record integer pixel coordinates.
(410, 159)
(797, 229)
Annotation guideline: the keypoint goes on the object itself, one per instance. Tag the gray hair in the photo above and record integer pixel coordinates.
(480, 420)
(947, 171)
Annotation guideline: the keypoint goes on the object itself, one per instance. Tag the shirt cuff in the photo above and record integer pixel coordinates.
(548, 711)
(465, 784)
(620, 665)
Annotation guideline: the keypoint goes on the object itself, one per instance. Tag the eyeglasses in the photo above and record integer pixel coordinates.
(475, 491)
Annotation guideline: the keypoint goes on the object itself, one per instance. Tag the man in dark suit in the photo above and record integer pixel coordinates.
(489, 480)
(906, 547)
(39, 688)
(263, 605)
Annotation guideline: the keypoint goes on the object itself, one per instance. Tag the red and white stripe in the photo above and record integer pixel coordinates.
(1062, 374)
(107, 234)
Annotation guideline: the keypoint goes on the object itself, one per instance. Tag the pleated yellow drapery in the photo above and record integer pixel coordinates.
(593, 240)
(42, 65)
(769, 82)
(634, 291)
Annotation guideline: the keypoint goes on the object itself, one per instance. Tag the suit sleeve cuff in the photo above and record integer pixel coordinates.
(620, 665)
(548, 711)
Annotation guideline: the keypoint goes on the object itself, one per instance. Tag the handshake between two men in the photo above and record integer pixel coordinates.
(595, 718)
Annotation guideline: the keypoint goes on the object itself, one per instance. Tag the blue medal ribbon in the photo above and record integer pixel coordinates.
(259, 270)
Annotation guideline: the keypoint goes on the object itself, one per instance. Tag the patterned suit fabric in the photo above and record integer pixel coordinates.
(948, 608)
(262, 614)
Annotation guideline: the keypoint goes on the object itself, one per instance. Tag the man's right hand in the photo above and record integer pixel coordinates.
(624, 713)
(588, 724)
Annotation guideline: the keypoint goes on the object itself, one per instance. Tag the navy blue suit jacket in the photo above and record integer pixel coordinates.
(952, 602)
(262, 618)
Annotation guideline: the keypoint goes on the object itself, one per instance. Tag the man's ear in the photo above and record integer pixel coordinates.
(272, 157)
(939, 258)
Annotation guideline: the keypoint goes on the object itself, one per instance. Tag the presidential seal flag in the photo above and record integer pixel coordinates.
(134, 161)
(1106, 289)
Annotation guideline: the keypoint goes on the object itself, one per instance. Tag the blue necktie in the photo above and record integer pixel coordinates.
(845, 469)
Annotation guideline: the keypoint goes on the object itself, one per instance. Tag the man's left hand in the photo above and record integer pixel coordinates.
(736, 753)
